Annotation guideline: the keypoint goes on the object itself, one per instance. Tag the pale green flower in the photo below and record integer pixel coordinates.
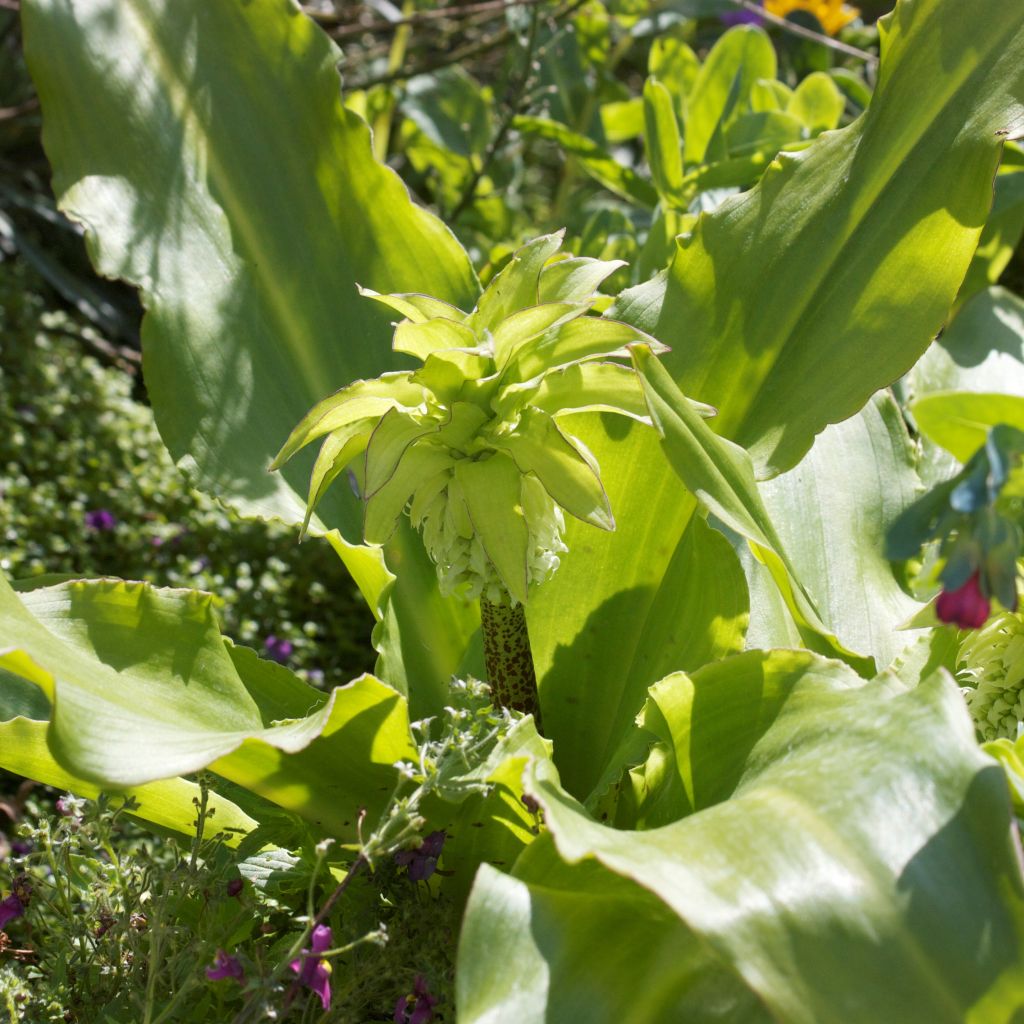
(468, 444)
(991, 661)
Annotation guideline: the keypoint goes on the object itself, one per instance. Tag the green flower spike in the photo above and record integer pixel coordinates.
(468, 444)
(991, 661)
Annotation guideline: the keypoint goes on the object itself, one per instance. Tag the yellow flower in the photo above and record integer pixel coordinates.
(831, 14)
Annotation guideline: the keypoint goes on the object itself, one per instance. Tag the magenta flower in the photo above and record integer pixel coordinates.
(100, 520)
(235, 886)
(966, 607)
(313, 971)
(10, 908)
(422, 861)
(418, 1006)
(278, 649)
(225, 966)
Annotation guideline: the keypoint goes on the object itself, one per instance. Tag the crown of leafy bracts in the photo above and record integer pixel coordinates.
(468, 442)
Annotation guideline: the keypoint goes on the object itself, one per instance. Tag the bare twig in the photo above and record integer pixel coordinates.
(347, 29)
(806, 33)
(10, 113)
(455, 57)
(517, 92)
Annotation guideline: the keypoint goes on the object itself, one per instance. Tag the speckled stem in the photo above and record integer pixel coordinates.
(507, 657)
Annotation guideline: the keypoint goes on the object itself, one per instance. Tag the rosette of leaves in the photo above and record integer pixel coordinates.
(469, 445)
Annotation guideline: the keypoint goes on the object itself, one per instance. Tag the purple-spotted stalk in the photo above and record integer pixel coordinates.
(468, 445)
(508, 659)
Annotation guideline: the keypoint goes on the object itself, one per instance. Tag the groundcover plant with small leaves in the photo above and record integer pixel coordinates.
(673, 566)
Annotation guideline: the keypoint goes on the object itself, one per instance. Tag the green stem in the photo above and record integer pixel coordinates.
(508, 659)
(396, 58)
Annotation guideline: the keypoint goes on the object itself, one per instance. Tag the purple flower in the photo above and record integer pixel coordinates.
(100, 520)
(314, 972)
(225, 966)
(966, 606)
(19, 847)
(278, 649)
(741, 17)
(422, 861)
(418, 1006)
(10, 908)
(235, 886)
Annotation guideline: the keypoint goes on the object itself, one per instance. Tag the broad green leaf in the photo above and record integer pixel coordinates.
(786, 310)
(605, 387)
(144, 688)
(720, 475)
(566, 470)
(419, 464)
(791, 304)
(359, 400)
(598, 163)
(516, 285)
(168, 803)
(959, 421)
(225, 178)
(610, 644)
(823, 881)
(817, 103)
(832, 512)
(758, 137)
(415, 307)
(981, 350)
(336, 453)
(492, 492)
(391, 438)
(662, 142)
(429, 336)
(586, 338)
(575, 279)
(511, 334)
(1001, 236)
(622, 120)
(770, 95)
(673, 62)
(742, 56)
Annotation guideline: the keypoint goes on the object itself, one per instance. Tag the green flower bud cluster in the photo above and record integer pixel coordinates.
(467, 444)
(991, 661)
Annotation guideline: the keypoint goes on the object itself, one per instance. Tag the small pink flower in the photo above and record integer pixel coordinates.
(10, 908)
(314, 972)
(966, 607)
(418, 1006)
(225, 966)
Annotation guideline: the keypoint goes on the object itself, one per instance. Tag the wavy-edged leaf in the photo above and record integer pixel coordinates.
(415, 306)
(491, 489)
(602, 387)
(418, 464)
(790, 305)
(513, 332)
(585, 338)
(575, 279)
(169, 803)
(224, 176)
(721, 476)
(144, 688)
(959, 421)
(516, 285)
(434, 335)
(816, 880)
(567, 471)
